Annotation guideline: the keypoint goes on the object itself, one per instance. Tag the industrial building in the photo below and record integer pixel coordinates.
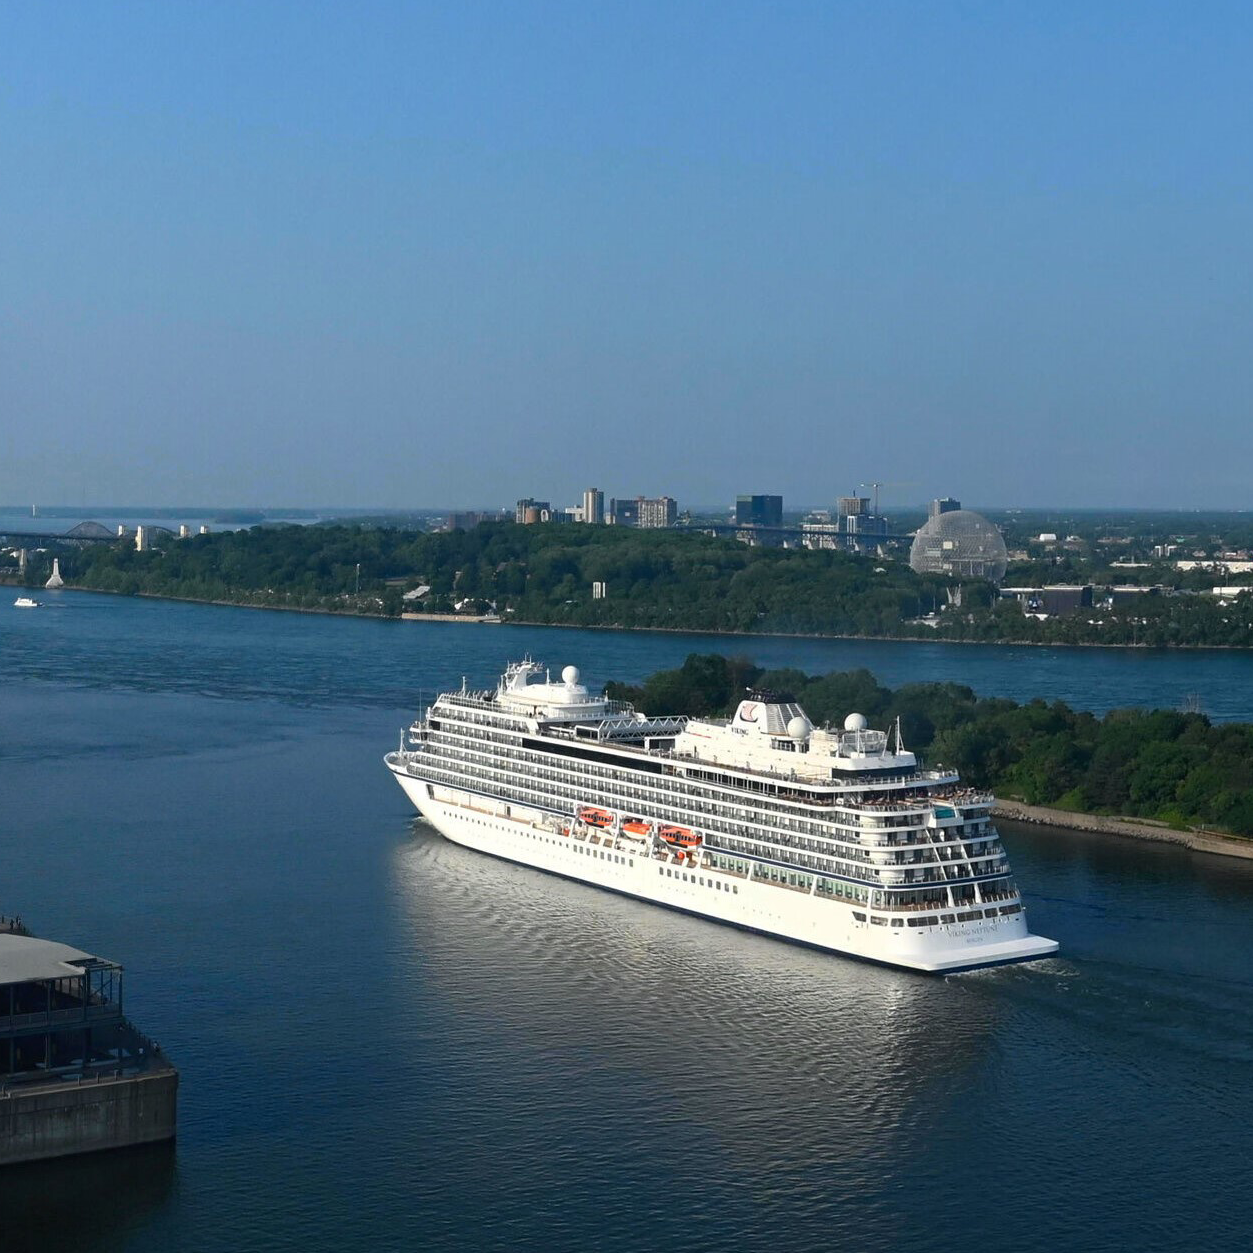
(1053, 601)
(528, 512)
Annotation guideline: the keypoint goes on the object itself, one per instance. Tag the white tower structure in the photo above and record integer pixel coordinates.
(594, 506)
(56, 580)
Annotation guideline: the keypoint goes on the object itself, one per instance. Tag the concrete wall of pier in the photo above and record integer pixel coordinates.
(55, 1119)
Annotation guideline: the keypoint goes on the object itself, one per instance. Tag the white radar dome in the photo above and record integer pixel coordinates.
(798, 729)
(570, 675)
(855, 722)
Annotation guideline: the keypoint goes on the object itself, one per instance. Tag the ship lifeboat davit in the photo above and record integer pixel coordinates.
(679, 837)
(636, 826)
(599, 818)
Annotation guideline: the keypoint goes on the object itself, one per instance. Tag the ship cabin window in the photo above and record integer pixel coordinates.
(948, 917)
(879, 922)
(898, 922)
(858, 917)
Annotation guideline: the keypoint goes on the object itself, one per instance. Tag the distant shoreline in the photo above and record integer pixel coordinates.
(663, 630)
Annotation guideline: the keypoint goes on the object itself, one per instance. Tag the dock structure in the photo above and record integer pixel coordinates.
(75, 1075)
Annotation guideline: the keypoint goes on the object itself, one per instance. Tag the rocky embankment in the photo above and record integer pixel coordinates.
(1128, 828)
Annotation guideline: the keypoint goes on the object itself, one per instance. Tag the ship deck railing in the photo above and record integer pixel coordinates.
(918, 778)
(989, 898)
(487, 699)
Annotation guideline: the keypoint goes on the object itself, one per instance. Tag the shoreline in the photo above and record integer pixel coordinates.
(1124, 828)
(662, 630)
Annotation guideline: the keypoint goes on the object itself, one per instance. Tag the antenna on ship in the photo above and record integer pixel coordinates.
(899, 748)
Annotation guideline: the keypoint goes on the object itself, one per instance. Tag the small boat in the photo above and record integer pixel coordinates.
(593, 817)
(680, 837)
(25, 602)
(636, 826)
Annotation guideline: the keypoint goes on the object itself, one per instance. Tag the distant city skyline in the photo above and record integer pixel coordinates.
(380, 255)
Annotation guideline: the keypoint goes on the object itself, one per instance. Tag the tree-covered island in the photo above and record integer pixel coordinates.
(621, 577)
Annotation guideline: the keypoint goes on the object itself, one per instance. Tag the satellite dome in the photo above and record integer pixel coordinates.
(798, 729)
(570, 676)
(961, 543)
(855, 722)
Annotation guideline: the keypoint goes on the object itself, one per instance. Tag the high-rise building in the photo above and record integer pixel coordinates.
(859, 529)
(594, 506)
(944, 504)
(625, 512)
(657, 512)
(759, 511)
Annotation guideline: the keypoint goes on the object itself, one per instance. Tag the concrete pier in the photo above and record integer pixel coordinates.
(82, 1116)
(75, 1075)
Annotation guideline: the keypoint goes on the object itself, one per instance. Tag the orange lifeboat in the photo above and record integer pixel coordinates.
(679, 837)
(636, 826)
(599, 818)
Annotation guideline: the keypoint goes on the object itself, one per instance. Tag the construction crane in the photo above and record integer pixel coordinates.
(876, 487)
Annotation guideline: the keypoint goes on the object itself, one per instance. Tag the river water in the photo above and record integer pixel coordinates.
(388, 1042)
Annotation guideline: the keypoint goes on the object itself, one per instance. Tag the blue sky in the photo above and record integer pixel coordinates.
(426, 255)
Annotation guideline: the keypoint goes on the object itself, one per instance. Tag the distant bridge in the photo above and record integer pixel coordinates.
(91, 532)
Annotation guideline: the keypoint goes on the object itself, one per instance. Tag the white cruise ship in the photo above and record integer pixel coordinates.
(837, 839)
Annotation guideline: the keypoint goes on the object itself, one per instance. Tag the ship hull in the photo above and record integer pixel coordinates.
(527, 836)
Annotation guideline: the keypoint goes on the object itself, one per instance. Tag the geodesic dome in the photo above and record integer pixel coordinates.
(961, 543)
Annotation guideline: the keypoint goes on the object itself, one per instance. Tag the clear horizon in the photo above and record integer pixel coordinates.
(406, 252)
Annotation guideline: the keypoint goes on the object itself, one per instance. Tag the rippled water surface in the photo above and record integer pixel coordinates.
(389, 1042)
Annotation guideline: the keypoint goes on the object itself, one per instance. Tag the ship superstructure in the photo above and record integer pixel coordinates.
(836, 838)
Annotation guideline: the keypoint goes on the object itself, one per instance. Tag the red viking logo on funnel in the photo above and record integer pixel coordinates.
(749, 713)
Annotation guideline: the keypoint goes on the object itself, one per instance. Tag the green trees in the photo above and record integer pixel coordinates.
(673, 578)
(1174, 767)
